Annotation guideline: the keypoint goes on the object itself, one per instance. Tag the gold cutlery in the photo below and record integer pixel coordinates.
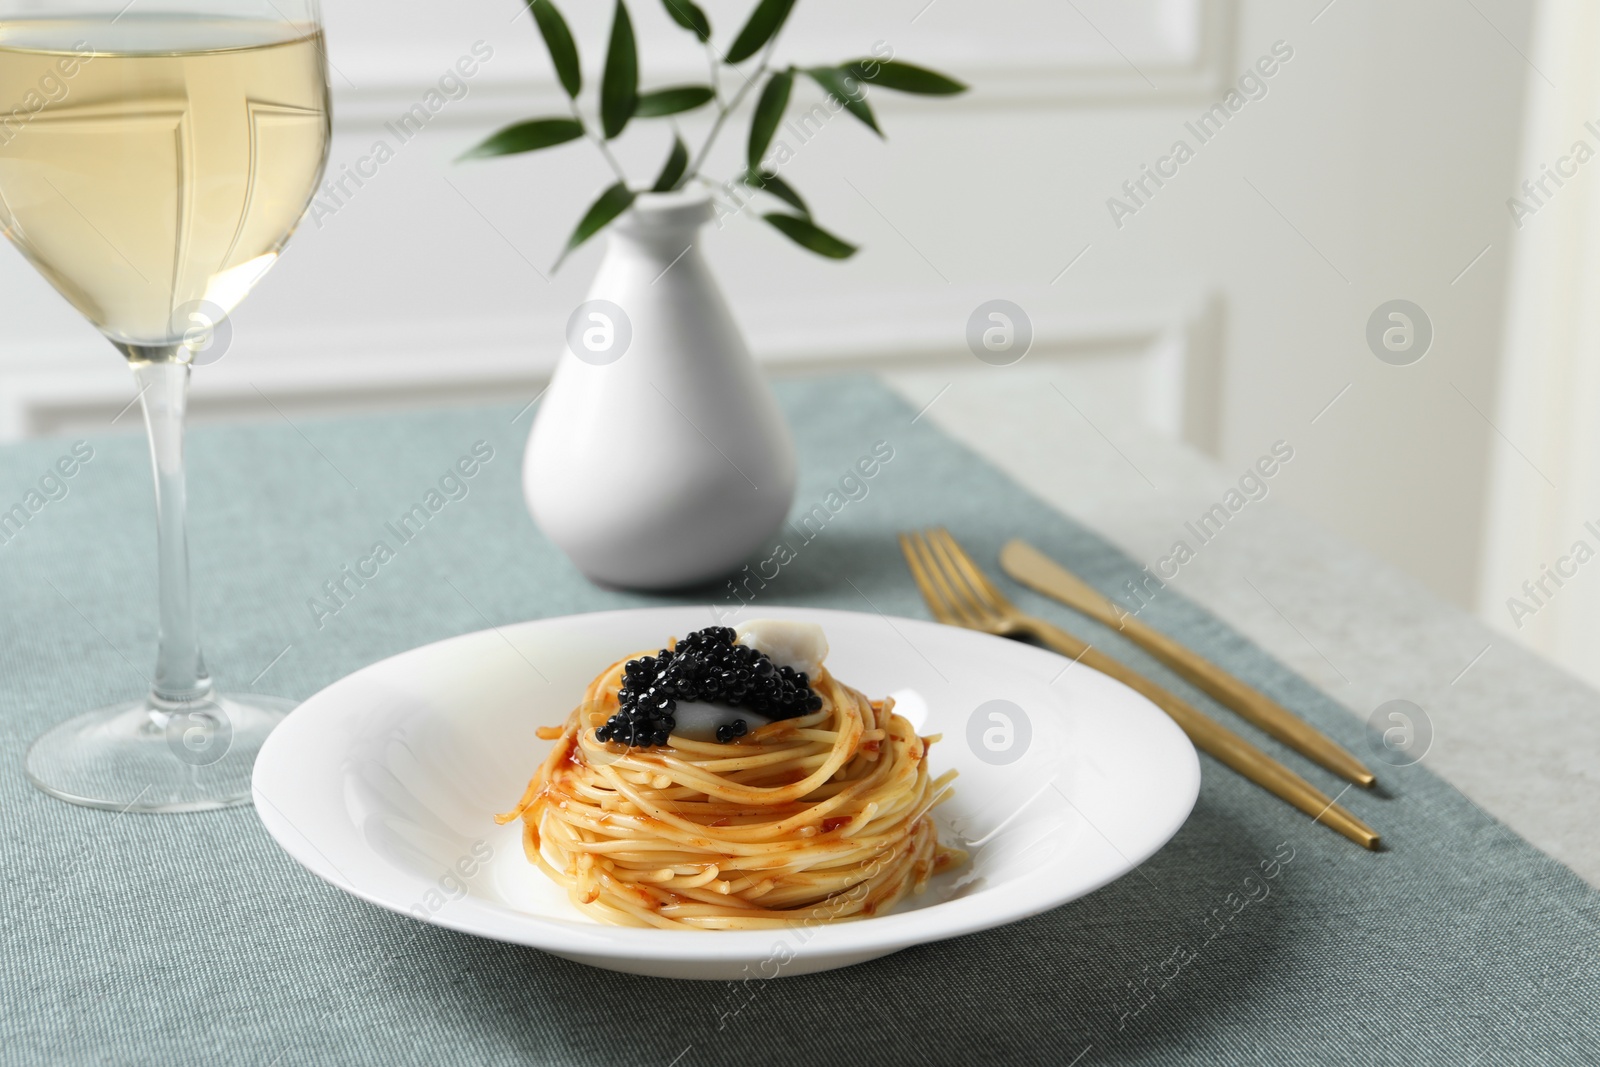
(960, 594)
(1044, 575)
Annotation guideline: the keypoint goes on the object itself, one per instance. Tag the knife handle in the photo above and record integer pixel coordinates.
(1024, 563)
(1214, 739)
(1251, 704)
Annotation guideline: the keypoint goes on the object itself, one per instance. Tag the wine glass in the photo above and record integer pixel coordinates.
(157, 155)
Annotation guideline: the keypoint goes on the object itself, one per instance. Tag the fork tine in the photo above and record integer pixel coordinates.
(909, 545)
(956, 607)
(968, 611)
(983, 588)
(955, 581)
(973, 573)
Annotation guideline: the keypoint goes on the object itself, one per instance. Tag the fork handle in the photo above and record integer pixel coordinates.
(1215, 740)
(1253, 705)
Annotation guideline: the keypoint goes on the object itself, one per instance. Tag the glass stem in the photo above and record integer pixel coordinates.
(163, 380)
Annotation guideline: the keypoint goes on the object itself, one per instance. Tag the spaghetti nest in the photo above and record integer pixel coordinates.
(812, 819)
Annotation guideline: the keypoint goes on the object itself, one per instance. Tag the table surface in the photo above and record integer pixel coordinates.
(139, 939)
(1515, 733)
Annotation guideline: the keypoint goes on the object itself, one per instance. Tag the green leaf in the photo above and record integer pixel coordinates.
(619, 85)
(558, 40)
(673, 100)
(672, 173)
(768, 182)
(810, 236)
(903, 77)
(769, 112)
(847, 89)
(613, 202)
(764, 23)
(527, 136)
(686, 14)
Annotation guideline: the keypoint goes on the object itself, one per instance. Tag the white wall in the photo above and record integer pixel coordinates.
(1541, 583)
(1375, 167)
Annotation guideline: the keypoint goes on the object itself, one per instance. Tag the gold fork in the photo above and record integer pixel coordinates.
(960, 594)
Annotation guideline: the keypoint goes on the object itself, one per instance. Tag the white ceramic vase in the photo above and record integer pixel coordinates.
(658, 458)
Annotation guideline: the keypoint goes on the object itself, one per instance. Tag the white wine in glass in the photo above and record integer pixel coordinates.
(155, 161)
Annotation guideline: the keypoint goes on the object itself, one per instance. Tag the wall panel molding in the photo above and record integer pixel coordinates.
(384, 83)
(1169, 356)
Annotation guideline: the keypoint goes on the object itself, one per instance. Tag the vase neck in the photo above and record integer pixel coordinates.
(664, 221)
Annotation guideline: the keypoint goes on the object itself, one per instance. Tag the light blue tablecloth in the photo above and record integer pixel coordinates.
(140, 939)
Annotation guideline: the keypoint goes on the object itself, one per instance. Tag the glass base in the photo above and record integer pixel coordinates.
(150, 757)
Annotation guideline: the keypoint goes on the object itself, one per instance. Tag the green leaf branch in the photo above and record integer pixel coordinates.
(621, 101)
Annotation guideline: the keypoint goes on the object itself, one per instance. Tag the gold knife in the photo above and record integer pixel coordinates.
(1042, 574)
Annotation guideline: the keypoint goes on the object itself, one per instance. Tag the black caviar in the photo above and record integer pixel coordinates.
(707, 665)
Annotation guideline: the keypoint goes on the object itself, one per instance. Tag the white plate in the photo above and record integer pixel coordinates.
(386, 783)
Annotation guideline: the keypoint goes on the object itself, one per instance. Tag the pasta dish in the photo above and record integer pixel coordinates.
(730, 782)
